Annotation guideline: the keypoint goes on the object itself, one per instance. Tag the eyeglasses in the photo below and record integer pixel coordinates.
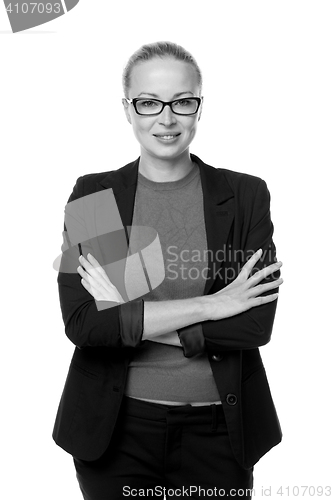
(151, 107)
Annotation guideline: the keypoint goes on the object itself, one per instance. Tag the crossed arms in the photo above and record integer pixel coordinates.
(239, 316)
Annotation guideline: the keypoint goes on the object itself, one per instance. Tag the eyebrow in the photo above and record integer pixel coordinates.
(156, 96)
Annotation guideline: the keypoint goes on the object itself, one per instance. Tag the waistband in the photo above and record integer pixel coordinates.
(211, 414)
(172, 403)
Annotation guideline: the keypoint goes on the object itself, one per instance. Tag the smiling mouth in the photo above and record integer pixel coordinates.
(166, 137)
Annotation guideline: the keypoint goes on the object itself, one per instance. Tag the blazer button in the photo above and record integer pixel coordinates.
(231, 399)
(217, 357)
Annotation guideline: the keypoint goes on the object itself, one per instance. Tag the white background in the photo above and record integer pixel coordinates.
(268, 111)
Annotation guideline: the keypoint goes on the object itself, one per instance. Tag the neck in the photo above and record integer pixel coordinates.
(165, 170)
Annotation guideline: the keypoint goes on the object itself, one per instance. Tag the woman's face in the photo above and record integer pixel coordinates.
(165, 79)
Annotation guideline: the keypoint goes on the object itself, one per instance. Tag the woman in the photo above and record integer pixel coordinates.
(167, 393)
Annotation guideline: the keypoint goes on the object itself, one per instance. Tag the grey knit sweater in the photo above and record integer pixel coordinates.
(175, 209)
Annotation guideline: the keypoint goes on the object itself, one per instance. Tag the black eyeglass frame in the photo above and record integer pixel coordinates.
(170, 103)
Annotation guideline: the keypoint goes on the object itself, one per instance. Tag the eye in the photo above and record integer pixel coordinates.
(183, 103)
(148, 104)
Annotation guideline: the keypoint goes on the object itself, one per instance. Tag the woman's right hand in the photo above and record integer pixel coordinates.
(242, 293)
(96, 281)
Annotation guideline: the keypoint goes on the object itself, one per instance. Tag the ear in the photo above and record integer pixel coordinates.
(126, 109)
(200, 110)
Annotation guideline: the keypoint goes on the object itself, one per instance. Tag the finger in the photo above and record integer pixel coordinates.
(94, 262)
(95, 272)
(91, 268)
(98, 293)
(86, 285)
(94, 269)
(93, 292)
(259, 301)
(259, 289)
(93, 280)
(99, 290)
(249, 265)
(263, 273)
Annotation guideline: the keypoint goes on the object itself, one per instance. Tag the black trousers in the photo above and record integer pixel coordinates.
(172, 451)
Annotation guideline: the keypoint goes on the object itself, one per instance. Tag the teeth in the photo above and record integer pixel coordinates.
(166, 136)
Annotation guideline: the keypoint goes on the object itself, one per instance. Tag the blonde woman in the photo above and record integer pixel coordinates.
(167, 394)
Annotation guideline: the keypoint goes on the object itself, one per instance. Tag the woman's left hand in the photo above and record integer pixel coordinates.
(96, 281)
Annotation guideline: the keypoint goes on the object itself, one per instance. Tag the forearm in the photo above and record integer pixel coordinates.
(169, 315)
(247, 330)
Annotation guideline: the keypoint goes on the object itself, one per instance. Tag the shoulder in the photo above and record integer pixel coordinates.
(250, 194)
(87, 180)
(242, 182)
(86, 184)
(243, 185)
(92, 183)
(248, 189)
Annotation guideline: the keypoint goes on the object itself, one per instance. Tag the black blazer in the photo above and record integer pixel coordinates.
(237, 218)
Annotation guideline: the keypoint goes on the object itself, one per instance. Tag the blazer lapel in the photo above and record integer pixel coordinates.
(218, 199)
(123, 183)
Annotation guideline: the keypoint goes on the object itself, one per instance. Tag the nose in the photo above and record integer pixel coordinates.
(167, 117)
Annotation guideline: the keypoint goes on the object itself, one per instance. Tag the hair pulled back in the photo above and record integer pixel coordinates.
(158, 49)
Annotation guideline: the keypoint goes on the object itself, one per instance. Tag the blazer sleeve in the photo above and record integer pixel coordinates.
(118, 326)
(252, 328)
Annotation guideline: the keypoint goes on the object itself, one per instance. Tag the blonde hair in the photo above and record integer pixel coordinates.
(158, 49)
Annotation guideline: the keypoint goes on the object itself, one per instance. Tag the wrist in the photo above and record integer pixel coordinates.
(206, 307)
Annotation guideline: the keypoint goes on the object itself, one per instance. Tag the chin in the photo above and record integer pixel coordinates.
(168, 151)
(168, 155)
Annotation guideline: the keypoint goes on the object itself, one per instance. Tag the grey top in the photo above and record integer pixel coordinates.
(175, 210)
